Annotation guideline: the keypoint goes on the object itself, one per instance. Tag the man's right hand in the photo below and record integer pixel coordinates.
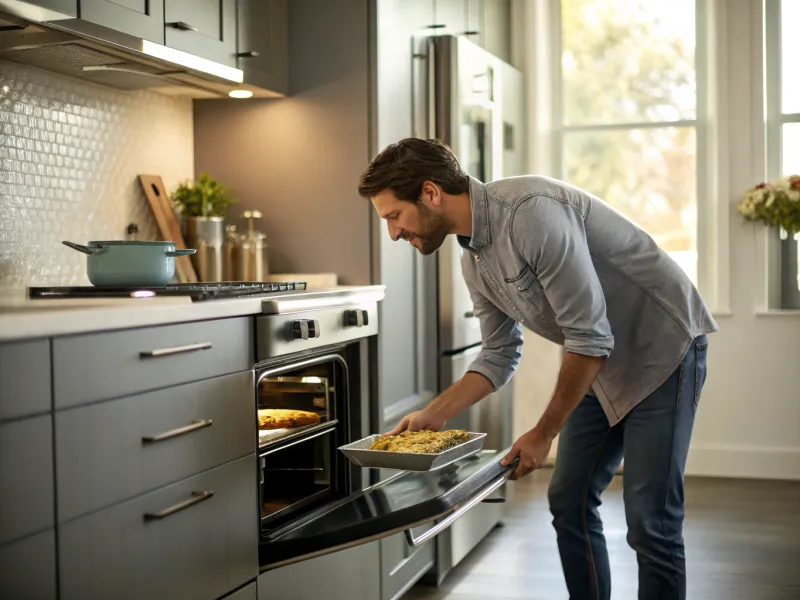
(419, 420)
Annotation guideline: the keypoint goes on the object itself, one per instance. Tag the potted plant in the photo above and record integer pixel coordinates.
(777, 204)
(204, 205)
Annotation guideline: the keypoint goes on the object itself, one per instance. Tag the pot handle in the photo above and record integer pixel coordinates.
(181, 252)
(85, 249)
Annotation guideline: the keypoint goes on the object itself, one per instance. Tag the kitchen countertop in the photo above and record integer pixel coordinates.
(23, 318)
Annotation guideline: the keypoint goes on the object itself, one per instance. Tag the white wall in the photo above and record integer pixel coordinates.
(748, 423)
(70, 154)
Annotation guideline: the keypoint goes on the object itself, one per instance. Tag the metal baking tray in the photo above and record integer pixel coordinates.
(359, 454)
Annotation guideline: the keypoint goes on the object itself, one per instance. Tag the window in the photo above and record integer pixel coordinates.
(781, 49)
(627, 127)
(783, 87)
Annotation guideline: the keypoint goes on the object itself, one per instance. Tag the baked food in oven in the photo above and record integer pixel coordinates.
(420, 442)
(280, 418)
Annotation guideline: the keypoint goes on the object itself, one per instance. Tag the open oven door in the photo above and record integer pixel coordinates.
(395, 505)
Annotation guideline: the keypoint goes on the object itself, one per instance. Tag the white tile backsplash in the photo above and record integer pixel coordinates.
(70, 155)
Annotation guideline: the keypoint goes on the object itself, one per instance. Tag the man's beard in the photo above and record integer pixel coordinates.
(433, 229)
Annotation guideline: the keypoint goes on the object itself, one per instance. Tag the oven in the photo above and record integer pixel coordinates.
(316, 354)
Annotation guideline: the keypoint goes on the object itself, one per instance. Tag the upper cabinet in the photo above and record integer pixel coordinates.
(67, 7)
(450, 16)
(141, 18)
(205, 28)
(262, 45)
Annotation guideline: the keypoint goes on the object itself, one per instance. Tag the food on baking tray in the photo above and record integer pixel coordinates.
(421, 442)
(279, 418)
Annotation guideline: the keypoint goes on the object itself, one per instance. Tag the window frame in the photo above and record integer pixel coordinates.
(773, 90)
(561, 129)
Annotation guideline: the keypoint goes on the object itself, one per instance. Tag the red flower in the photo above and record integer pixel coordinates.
(761, 186)
(794, 182)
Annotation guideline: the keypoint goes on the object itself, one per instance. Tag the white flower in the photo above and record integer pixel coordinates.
(782, 185)
(794, 195)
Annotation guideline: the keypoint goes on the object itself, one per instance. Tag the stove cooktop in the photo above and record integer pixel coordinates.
(198, 292)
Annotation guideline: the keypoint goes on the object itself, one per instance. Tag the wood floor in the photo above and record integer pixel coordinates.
(742, 543)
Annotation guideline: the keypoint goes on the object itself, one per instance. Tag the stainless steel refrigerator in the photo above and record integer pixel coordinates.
(474, 102)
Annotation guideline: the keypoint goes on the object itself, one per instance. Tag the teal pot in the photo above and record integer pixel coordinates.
(130, 264)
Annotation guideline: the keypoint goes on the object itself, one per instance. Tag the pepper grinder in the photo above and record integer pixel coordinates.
(254, 250)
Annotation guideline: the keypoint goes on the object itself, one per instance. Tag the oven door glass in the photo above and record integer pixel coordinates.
(394, 505)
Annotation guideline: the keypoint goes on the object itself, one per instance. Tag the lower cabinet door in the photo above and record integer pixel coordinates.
(197, 538)
(352, 574)
(402, 566)
(28, 568)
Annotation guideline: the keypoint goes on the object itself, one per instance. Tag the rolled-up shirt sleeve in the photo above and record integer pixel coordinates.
(550, 236)
(501, 346)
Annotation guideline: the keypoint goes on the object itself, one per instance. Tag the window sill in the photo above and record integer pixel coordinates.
(777, 312)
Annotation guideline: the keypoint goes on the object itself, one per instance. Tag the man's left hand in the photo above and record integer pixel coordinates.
(532, 449)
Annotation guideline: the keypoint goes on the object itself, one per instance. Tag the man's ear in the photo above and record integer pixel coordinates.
(431, 194)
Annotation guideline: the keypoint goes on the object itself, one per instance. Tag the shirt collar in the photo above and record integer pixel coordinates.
(479, 202)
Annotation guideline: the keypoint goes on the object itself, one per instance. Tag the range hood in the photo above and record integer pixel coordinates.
(77, 48)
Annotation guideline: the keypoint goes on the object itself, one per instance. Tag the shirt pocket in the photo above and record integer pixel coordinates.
(530, 298)
(526, 285)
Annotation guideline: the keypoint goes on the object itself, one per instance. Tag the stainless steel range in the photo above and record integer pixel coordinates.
(314, 353)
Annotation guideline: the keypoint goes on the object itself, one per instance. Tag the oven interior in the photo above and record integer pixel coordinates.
(300, 466)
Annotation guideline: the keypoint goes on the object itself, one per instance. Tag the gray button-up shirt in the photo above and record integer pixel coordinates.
(572, 269)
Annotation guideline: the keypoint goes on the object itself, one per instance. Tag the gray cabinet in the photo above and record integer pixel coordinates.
(26, 477)
(496, 26)
(262, 43)
(100, 366)
(24, 378)
(140, 18)
(402, 565)
(67, 7)
(28, 568)
(407, 380)
(113, 451)
(204, 28)
(346, 575)
(195, 539)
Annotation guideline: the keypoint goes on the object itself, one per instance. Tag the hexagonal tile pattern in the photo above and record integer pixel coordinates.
(70, 154)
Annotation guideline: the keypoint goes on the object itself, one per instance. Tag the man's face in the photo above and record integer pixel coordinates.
(419, 223)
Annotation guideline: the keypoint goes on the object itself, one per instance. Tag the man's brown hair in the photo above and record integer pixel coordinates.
(404, 166)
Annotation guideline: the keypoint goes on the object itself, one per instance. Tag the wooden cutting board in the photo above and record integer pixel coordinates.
(167, 224)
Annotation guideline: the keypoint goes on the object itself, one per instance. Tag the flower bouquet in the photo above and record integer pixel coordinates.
(775, 204)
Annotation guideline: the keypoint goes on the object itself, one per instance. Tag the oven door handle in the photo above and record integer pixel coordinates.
(416, 541)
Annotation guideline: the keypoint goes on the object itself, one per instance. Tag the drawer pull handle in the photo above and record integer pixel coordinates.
(182, 26)
(160, 437)
(175, 350)
(197, 498)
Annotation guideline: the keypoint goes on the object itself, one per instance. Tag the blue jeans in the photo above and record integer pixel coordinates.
(654, 441)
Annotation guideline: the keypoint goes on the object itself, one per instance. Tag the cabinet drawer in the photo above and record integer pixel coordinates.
(246, 593)
(109, 365)
(145, 548)
(28, 568)
(113, 451)
(401, 565)
(24, 378)
(26, 477)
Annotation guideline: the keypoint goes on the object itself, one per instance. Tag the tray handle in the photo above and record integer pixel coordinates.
(416, 541)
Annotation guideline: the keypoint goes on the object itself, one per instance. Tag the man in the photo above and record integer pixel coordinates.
(561, 262)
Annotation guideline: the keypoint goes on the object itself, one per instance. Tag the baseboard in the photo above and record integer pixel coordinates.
(747, 461)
